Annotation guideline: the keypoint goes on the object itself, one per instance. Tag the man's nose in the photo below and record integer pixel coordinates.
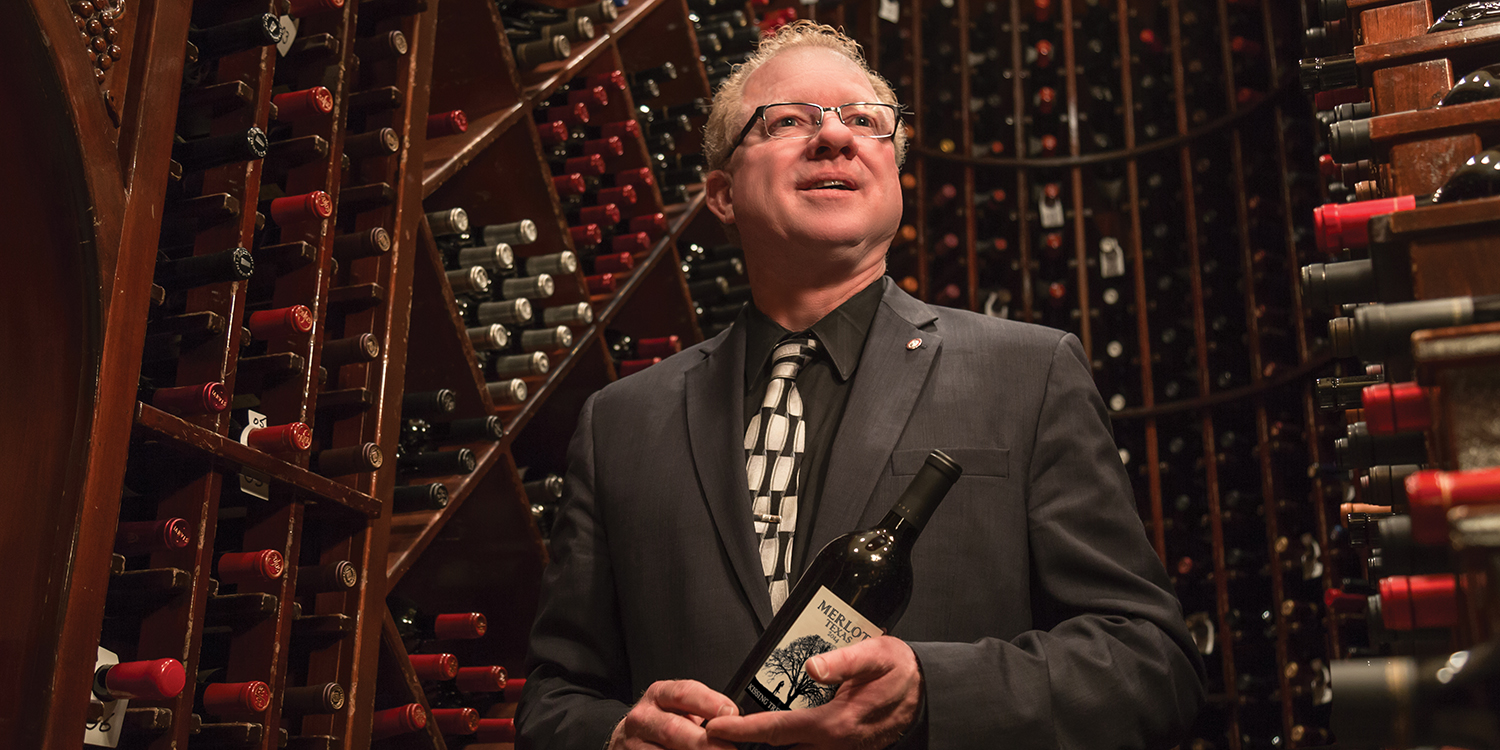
(833, 139)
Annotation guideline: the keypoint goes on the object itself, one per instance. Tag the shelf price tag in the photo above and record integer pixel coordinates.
(288, 35)
(890, 10)
(102, 727)
(253, 483)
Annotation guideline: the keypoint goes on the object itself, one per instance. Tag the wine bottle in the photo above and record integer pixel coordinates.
(419, 497)
(327, 698)
(147, 537)
(215, 151)
(236, 36)
(856, 588)
(1432, 493)
(1361, 448)
(391, 722)
(156, 679)
(230, 700)
(1475, 179)
(1355, 69)
(1395, 407)
(1402, 702)
(1378, 331)
(413, 624)
(322, 579)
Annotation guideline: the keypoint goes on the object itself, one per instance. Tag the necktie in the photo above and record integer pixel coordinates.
(774, 442)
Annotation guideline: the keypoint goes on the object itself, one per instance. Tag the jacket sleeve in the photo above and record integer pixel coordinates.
(578, 681)
(1109, 663)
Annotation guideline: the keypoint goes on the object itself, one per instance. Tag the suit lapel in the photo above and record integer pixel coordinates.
(715, 393)
(887, 383)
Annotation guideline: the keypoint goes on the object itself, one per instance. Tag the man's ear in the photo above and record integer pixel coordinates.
(719, 196)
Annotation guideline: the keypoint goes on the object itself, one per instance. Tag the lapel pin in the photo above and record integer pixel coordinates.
(914, 343)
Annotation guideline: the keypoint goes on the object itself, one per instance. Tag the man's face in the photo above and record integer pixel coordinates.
(778, 190)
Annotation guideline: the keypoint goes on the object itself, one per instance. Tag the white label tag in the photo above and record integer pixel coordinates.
(1051, 213)
(1111, 258)
(890, 10)
(254, 483)
(288, 35)
(827, 623)
(105, 730)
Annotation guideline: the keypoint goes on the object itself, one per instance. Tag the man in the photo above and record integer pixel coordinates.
(1039, 617)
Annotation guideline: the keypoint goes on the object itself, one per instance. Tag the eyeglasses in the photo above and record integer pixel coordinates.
(803, 120)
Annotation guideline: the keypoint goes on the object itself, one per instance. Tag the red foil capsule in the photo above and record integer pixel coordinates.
(447, 123)
(456, 721)
(280, 323)
(572, 114)
(623, 195)
(654, 224)
(640, 178)
(1045, 52)
(236, 698)
(587, 235)
(434, 667)
(1344, 602)
(611, 81)
(624, 129)
(1049, 145)
(632, 366)
(296, 105)
(569, 184)
(292, 437)
(295, 209)
(588, 164)
(634, 242)
(1431, 493)
(601, 283)
(460, 626)
(1396, 407)
(1046, 97)
(303, 8)
(206, 398)
(513, 690)
(495, 730)
(398, 720)
(480, 679)
(1411, 602)
(606, 215)
(260, 566)
(614, 263)
(1341, 225)
(156, 679)
(658, 346)
(591, 97)
(145, 537)
(606, 147)
(552, 133)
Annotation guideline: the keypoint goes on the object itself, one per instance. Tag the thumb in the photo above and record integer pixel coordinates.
(862, 661)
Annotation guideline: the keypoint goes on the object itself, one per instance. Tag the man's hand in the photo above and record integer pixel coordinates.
(670, 715)
(878, 700)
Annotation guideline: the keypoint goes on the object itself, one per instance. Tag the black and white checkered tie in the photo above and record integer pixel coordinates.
(774, 443)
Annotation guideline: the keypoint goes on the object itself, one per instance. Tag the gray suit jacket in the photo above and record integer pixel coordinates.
(1041, 616)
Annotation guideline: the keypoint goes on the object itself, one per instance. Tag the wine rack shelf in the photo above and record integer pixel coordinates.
(370, 269)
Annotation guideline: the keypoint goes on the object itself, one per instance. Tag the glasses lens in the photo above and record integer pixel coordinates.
(792, 121)
(870, 120)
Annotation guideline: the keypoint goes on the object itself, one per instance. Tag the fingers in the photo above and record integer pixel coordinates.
(690, 697)
(664, 718)
(864, 661)
(774, 727)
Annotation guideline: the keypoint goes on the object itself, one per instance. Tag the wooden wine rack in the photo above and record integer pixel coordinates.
(86, 246)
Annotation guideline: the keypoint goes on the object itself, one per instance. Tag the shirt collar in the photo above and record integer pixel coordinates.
(842, 333)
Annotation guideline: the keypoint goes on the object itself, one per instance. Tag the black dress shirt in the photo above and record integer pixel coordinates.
(824, 385)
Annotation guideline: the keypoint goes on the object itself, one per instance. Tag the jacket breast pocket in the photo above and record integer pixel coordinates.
(976, 462)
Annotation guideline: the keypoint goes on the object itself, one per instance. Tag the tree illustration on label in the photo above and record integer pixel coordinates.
(788, 667)
(826, 623)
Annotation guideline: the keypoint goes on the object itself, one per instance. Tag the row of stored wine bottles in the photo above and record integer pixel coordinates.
(1415, 616)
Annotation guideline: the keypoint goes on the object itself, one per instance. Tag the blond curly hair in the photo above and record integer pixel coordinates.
(803, 33)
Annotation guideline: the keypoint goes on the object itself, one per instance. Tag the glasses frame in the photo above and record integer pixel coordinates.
(760, 114)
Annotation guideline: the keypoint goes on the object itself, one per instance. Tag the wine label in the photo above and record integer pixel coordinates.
(102, 727)
(827, 623)
(288, 35)
(890, 10)
(252, 482)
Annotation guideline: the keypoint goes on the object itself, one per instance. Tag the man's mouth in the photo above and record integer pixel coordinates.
(830, 185)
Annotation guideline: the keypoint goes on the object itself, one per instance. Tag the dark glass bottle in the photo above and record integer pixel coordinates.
(864, 575)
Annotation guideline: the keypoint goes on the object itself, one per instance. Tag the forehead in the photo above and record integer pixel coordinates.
(808, 74)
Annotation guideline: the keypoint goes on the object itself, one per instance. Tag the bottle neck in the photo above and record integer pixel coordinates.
(901, 528)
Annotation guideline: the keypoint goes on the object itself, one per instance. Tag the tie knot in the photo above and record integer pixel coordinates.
(790, 356)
